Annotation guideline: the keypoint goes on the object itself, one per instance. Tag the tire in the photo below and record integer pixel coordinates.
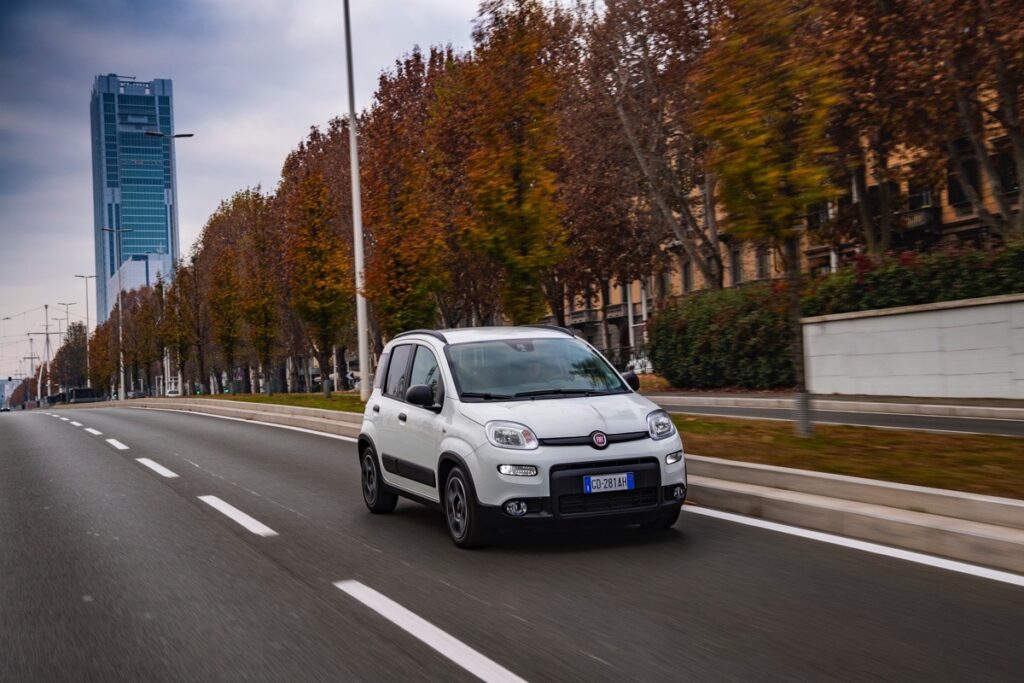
(461, 516)
(664, 521)
(375, 494)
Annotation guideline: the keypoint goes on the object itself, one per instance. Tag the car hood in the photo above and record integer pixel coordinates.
(562, 417)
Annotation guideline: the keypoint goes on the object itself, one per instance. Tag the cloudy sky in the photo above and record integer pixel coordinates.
(250, 78)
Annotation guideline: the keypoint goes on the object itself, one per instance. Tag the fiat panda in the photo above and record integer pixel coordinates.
(511, 426)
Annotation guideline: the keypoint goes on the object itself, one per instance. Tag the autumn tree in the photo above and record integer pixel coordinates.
(319, 269)
(512, 169)
(69, 363)
(767, 99)
(260, 261)
(644, 54)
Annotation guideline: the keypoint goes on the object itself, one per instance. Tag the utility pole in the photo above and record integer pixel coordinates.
(88, 365)
(357, 219)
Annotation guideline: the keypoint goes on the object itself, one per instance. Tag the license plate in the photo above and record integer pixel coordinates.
(600, 483)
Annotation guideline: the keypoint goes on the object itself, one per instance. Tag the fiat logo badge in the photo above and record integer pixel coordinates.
(599, 439)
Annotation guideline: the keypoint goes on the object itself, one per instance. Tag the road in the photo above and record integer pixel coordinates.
(112, 571)
(972, 425)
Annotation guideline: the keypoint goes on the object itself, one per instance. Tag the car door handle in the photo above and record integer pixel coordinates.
(401, 417)
(376, 409)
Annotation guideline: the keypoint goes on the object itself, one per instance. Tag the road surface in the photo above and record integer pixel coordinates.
(114, 569)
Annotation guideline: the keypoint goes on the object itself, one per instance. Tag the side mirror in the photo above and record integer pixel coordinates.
(632, 380)
(420, 395)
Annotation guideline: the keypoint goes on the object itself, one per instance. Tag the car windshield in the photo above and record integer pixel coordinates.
(530, 368)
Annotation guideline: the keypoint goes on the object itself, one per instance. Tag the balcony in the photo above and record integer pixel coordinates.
(928, 218)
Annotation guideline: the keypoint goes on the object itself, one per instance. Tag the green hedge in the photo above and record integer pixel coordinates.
(735, 337)
(918, 279)
(739, 337)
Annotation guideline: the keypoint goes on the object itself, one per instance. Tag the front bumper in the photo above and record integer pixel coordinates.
(567, 503)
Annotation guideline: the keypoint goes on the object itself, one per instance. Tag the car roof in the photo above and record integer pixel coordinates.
(461, 335)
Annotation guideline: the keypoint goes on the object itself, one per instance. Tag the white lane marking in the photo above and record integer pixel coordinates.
(117, 444)
(351, 439)
(64, 419)
(865, 546)
(95, 432)
(76, 424)
(156, 467)
(234, 513)
(469, 659)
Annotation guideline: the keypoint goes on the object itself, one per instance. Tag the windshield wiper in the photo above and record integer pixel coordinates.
(554, 392)
(484, 395)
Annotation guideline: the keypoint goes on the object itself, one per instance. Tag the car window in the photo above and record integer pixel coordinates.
(520, 368)
(378, 379)
(395, 385)
(426, 371)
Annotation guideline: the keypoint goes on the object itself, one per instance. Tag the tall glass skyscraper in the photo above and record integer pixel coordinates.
(134, 185)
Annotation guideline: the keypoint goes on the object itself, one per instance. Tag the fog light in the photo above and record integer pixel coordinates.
(516, 508)
(678, 492)
(673, 458)
(518, 470)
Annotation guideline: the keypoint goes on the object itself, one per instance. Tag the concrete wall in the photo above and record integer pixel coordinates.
(953, 349)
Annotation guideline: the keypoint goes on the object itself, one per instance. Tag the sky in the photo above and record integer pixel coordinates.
(250, 78)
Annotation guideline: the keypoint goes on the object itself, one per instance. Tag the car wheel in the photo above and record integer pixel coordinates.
(664, 521)
(375, 494)
(465, 525)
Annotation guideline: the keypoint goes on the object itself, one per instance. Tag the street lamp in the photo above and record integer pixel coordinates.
(88, 366)
(357, 218)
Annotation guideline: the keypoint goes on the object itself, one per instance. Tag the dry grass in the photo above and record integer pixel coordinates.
(985, 464)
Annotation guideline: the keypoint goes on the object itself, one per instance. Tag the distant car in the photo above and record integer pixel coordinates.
(508, 426)
(172, 393)
(5, 409)
(136, 394)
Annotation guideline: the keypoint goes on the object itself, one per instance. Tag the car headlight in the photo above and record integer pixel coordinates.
(659, 424)
(511, 435)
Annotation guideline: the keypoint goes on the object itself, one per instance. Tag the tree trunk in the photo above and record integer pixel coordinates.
(801, 400)
(324, 359)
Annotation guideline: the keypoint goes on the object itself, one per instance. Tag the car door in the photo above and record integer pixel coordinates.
(419, 432)
(390, 404)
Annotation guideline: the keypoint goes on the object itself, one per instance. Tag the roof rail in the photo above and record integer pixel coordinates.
(555, 328)
(430, 333)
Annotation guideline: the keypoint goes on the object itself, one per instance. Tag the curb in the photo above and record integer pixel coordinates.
(832, 405)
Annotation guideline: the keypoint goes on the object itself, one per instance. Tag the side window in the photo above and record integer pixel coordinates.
(382, 367)
(425, 371)
(394, 385)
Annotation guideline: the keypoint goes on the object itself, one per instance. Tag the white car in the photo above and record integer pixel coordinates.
(507, 426)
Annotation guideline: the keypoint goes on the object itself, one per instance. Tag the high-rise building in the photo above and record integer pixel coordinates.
(135, 201)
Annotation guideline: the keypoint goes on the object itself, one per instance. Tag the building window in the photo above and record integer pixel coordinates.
(919, 196)
(763, 263)
(817, 215)
(687, 276)
(1007, 171)
(666, 283)
(736, 265)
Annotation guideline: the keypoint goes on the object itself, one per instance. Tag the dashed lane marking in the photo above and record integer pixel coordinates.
(95, 432)
(251, 524)
(157, 467)
(117, 444)
(469, 659)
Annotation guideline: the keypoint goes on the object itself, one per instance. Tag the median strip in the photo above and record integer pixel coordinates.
(469, 659)
(117, 444)
(250, 524)
(157, 467)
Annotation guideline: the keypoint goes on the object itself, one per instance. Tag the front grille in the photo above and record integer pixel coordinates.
(622, 462)
(574, 504)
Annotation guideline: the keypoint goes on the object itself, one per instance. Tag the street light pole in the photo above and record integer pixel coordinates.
(357, 218)
(88, 365)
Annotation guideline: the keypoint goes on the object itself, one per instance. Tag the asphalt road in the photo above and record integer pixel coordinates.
(972, 425)
(110, 571)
